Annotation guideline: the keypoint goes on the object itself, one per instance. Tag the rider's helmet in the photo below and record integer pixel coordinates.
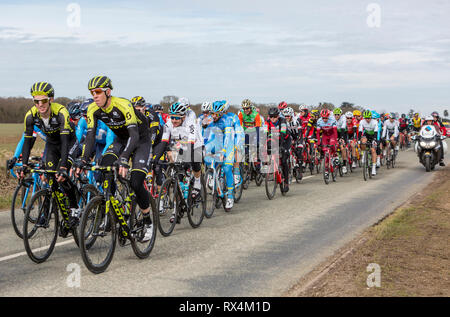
(403, 116)
(337, 111)
(435, 114)
(178, 109)
(349, 115)
(325, 113)
(218, 106)
(393, 115)
(315, 112)
(158, 107)
(428, 120)
(184, 101)
(274, 111)
(42, 88)
(288, 112)
(375, 115)
(356, 113)
(282, 105)
(100, 82)
(246, 103)
(367, 114)
(74, 110)
(206, 106)
(138, 101)
(304, 108)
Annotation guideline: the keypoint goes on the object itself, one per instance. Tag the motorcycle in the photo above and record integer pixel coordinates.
(428, 147)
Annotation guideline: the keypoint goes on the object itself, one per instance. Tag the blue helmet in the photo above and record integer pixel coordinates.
(375, 115)
(84, 106)
(219, 106)
(178, 109)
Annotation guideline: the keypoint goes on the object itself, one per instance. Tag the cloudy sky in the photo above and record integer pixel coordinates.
(386, 55)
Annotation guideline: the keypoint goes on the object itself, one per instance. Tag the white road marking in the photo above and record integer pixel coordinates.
(13, 256)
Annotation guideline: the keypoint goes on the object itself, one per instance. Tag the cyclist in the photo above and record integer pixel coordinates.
(304, 116)
(358, 117)
(417, 122)
(205, 118)
(376, 117)
(327, 129)
(294, 127)
(163, 117)
(390, 132)
(53, 120)
(403, 127)
(250, 120)
(133, 141)
(341, 125)
(368, 128)
(190, 114)
(351, 134)
(221, 140)
(281, 106)
(277, 128)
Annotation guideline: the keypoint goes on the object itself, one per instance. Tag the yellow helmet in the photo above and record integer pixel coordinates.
(356, 113)
(315, 112)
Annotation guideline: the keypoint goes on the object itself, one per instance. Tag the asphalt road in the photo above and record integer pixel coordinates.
(261, 248)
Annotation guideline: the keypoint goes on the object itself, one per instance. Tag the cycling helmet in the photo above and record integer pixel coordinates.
(219, 106)
(349, 115)
(274, 111)
(100, 82)
(356, 113)
(288, 112)
(74, 110)
(85, 105)
(375, 115)
(184, 101)
(303, 108)
(178, 109)
(393, 115)
(158, 107)
(403, 115)
(337, 111)
(435, 114)
(315, 112)
(246, 103)
(206, 106)
(282, 105)
(428, 118)
(138, 101)
(325, 113)
(225, 106)
(367, 114)
(42, 88)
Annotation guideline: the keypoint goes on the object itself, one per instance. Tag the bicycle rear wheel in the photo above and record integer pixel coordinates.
(365, 168)
(167, 207)
(239, 188)
(40, 226)
(142, 249)
(325, 168)
(98, 229)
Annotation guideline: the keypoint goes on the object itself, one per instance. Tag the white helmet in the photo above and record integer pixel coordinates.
(303, 107)
(428, 118)
(184, 101)
(288, 112)
(349, 114)
(206, 106)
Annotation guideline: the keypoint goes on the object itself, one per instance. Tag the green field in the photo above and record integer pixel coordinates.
(10, 134)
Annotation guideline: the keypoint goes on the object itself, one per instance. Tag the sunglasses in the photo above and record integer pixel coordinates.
(44, 101)
(273, 117)
(98, 91)
(248, 108)
(176, 117)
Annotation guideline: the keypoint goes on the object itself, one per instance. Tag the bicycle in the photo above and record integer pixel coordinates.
(296, 165)
(42, 218)
(175, 196)
(274, 175)
(367, 160)
(391, 154)
(108, 218)
(25, 189)
(215, 183)
(330, 165)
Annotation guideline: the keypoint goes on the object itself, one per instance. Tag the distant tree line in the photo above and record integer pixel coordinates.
(13, 109)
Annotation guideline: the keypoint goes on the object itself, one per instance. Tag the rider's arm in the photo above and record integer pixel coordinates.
(28, 137)
(64, 134)
(81, 129)
(88, 146)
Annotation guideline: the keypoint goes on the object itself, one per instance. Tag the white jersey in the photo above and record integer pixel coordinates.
(342, 123)
(391, 128)
(188, 132)
(369, 128)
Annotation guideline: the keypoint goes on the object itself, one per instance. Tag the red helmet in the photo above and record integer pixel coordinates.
(325, 113)
(282, 105)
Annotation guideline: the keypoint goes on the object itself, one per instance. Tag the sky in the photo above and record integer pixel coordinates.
(383, 55)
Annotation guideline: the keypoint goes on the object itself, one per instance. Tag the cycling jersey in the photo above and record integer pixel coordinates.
(128, 125)
(19, 146)
(389, 129)
(368, 129)
(417, 123)
(103, 135)
(59, 131)
(251, 121)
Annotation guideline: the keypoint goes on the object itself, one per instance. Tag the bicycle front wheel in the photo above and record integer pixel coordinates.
(20, 200)
(211, 193)
(167, 207)
(197, 206)
(40, 226)
(271, 183)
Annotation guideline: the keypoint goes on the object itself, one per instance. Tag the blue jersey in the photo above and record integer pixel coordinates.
(239, 135)
(20, 144)
(103, 135)
(221, 138)
(331, 122)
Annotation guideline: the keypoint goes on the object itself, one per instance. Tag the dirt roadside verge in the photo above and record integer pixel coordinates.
(405, 254)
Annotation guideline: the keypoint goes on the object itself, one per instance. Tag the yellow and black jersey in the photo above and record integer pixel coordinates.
(417, 122)
(129, 126)
(154, 125)
(60, 131)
